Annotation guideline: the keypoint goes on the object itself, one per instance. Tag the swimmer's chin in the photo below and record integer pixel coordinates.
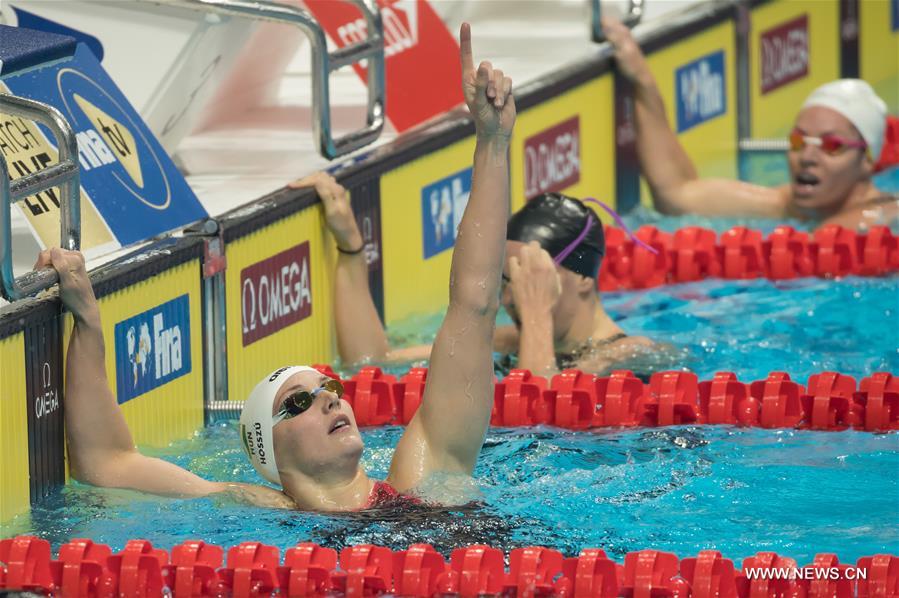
(807, 201)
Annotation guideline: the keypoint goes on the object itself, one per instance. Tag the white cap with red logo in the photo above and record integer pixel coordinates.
(859, 103)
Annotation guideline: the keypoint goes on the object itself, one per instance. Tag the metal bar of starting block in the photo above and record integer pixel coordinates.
(631, 19)
(370, 49)
(64, 175)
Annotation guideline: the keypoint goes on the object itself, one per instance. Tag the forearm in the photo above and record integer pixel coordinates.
(536, 352)
(480, 244)
(672, 178)
(101, 449)
(135, 471)
(408, 354)
(663, 160)
(360, 334)
(95, 426)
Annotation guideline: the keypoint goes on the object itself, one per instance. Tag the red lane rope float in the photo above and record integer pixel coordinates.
(694, 253)
(577, 400)
(253, 569)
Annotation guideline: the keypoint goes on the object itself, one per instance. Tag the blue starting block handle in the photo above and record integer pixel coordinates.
(631, 19)
(64, 174)
(323, 63)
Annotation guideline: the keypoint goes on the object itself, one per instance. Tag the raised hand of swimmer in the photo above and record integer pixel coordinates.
(628, 55)
(338, 211)
(534, 281)
(75, 289)
(488, 92)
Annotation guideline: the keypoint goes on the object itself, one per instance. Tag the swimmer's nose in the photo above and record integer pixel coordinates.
(330, 401)
(808, 155)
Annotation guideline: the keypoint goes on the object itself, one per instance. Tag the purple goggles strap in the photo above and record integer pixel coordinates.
(577, 241)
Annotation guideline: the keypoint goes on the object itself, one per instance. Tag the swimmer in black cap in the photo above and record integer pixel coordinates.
(554, 248)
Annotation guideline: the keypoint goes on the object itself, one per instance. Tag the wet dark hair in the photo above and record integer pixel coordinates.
(556, 221)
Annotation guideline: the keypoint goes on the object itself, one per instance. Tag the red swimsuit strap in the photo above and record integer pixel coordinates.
(383, 493)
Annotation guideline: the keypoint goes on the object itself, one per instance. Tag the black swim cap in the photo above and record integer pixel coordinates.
(556, 221)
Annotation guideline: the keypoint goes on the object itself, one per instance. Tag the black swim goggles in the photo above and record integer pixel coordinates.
(300, 401)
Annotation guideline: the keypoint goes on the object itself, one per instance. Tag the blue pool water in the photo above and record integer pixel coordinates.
(678, 489)
(751, 328)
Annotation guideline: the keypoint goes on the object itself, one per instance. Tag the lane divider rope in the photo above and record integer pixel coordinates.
(577, 400)
(694, 253)
(196, 569)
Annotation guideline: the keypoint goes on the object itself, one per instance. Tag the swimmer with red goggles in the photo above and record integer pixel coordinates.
(829, 183)
(830, 144)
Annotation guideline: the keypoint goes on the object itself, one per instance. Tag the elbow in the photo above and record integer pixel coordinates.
(103, 471)
(474, 299)
(669, 202)
(90, 474)
(667, 209)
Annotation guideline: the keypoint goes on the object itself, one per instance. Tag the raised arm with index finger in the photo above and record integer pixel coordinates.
(448, 430)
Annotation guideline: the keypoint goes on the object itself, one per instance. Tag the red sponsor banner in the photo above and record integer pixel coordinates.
(552, 159)
(422, 56)
(275, 293)
(784, 53)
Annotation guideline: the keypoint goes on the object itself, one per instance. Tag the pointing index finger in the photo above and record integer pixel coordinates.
(465, 49)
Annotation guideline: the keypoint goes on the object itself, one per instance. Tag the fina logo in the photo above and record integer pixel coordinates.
(442, 206)
(152, 348)
(139, 351)
(700, 91)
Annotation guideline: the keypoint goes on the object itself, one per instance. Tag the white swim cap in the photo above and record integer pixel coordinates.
(858, 102)
(256, 421)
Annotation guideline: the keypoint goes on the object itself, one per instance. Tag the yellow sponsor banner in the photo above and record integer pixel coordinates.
(414, 284)
(879, 49)
(173, 410)
(711, 142)
(784, 69)
(14, 487)
(567, 145)
(279, 297)
(27, 150)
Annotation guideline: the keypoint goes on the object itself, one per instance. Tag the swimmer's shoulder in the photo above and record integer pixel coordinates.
(770, 202)
(607, 356)
(626, 342)
(505, 339)
(254, 494)
(879, 210)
